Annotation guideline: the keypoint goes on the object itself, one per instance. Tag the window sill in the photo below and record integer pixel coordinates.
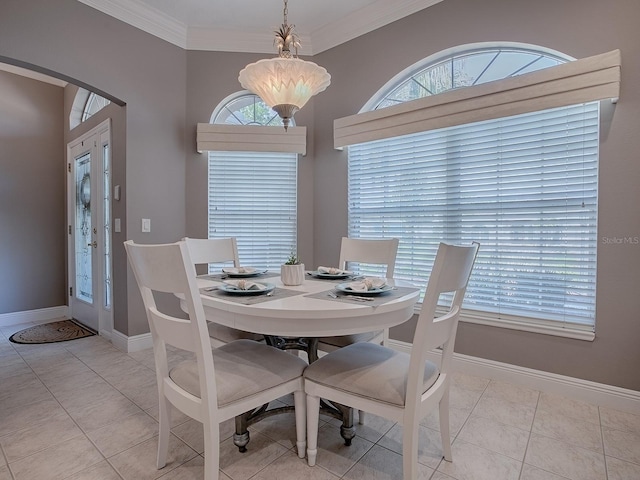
(525, 325)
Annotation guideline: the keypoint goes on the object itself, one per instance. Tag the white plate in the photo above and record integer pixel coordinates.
(244, 275)
(334, 276)
(344, 288)
(237, 291)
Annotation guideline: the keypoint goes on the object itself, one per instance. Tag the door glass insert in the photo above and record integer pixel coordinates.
(83, 236)
(107, 225)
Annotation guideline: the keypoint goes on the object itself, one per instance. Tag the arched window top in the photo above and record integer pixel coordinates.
(94, 104)
(85, 104)
(245, 109)
(463, 67)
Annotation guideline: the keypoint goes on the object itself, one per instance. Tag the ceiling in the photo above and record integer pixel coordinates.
(248, 25)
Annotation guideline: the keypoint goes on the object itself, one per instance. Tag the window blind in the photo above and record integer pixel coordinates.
(525, 187)
(253, 197)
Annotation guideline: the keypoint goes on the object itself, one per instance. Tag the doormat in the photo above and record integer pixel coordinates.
(60, 331)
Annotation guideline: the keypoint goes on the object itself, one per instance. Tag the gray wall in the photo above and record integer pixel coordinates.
(167, 91)
(70, 39)
(32, 195)
(579, 28)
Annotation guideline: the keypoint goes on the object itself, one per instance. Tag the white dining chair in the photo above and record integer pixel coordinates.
(219, 250)
(377, 254)
(399, 386)
(220, 383)
(371, 253)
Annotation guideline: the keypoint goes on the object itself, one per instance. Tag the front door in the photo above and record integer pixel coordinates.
(89, 246)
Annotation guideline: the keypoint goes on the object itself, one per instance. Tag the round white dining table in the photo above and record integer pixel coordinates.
(309, 313)
(295, 316)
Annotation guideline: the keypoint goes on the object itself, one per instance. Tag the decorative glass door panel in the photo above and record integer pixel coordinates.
(106, 201)
(89, 215)
(84, 236)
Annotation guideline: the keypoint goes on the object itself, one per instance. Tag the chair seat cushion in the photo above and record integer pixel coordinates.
(344, 340)
(243, 368)
(228, 334)
(368, 370)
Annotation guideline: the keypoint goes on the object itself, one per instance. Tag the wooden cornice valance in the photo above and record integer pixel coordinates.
(250, 138)
(585, 80)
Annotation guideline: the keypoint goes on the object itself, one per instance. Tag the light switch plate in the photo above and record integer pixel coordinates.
(146, 225)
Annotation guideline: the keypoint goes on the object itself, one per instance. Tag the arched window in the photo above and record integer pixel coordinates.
(253, 195)
(246, 109)
(524, 186)
(466, 69)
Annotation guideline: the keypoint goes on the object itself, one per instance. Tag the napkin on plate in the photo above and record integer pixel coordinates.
(333, 271)
(245, 285)
(366, 284)
(235, 271)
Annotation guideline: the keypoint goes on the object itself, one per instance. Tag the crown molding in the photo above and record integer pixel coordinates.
(347, 28)
(147, 19)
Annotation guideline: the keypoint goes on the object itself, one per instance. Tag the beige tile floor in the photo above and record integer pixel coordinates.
(82, 410)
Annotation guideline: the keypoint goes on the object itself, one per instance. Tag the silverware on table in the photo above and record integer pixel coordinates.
(351, 297)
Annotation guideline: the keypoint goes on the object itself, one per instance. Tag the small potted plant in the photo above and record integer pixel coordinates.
(292, 271)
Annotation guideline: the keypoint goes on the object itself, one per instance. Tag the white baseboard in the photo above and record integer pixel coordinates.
(29, 316)
(131, 344)
(582, 390)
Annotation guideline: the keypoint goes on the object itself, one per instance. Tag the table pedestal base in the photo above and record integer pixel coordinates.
(341, 412)
(308, 345)
(335, 410)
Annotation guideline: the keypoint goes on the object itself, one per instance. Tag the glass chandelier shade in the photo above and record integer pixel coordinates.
(285, 83)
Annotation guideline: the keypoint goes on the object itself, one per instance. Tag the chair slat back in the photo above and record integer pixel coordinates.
(213, 250)
(174, 331)
(371, 251)
(450, 274)
(167, 268)
(452, 270)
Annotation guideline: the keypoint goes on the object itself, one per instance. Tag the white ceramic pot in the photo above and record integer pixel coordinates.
(292, 274)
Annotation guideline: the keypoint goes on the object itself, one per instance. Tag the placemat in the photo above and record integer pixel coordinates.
(376, 299)
(218, 277)
(278, 293)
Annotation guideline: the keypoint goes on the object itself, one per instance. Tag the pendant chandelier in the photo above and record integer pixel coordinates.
(285, 83)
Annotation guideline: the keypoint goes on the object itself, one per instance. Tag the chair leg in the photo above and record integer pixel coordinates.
(313, 418)
(164, 431)
(443, 410)
(410, 451)
(211, 451)
(300, 404)
(361, 416)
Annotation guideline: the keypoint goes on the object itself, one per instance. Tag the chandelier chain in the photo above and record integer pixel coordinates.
(286, 11)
